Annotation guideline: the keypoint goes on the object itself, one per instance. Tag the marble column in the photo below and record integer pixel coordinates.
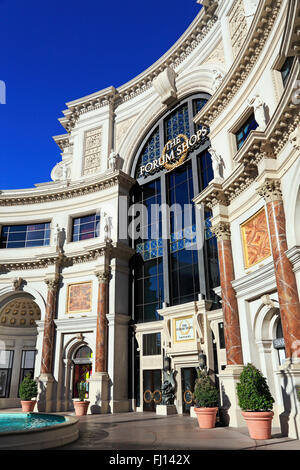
(101, 331)
(99, 381)
(232, 333)
(285, 276)
(46, 381)
(230, 412)
(48, 338)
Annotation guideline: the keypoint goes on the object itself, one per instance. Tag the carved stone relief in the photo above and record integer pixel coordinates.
(92, 151)
(237, 26)
(122, 129)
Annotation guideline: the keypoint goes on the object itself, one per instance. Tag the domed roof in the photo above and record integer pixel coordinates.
(20, 312)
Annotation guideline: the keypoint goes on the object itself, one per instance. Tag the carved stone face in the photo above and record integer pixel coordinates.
(295, 138)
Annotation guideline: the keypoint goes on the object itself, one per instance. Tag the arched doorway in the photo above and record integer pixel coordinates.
(175, 260)
(82, 370)
(18, 333)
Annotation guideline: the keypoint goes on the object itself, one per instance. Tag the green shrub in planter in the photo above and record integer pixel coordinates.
(28, 389)
(253, 391)
(205, 392)
(81, 387)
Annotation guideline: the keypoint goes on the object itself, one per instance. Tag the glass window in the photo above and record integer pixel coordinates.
(6, 362)
(221, 335)
(286, 69)
(151, 150)
(84, 352)
(169, 270)
(241, 135)
(85, 227)
(279, 343)
(23, 236)
(151, 344)
(177, 123)
(27, 365)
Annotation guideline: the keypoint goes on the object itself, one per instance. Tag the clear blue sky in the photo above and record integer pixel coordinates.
(55, 51)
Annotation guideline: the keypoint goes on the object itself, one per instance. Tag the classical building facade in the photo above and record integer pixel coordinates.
(170, 228)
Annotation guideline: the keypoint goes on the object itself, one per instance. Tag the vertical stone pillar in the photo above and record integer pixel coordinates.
(48, 339)
(229, 302)
(99, 381)
(101, 331)
(289, 373)
(46, 379)
(285, 277)
(230, 412)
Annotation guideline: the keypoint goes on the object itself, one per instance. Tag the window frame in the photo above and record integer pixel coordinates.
(82, 216)
(9, 369)
(163, 177)
(26, 224)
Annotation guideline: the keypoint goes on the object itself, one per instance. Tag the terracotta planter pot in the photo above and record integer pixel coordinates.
(28, 405)
(81, 407)
(206, 417)
(259, 423)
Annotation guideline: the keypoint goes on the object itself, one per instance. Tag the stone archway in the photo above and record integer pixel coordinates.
(66, 373)
(18, 333)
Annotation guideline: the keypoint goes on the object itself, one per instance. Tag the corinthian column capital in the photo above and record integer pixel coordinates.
(222, 231)
(270, 190)
(52, 283)
(103, 276)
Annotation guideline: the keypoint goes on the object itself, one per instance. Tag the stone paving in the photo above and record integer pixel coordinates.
(147, 431)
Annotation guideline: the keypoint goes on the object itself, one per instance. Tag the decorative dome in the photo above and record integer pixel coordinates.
(20, 312)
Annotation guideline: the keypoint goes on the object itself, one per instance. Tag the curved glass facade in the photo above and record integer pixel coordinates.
(176, 254)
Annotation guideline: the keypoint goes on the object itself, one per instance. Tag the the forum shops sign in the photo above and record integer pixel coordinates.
(175, 152)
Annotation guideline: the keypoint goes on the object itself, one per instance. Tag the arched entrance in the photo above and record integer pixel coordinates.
(18, 333)
(82, 370)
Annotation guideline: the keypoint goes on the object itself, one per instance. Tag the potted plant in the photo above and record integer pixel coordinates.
(28, 390)
(206, 400)
(81, 405)
(256, 402)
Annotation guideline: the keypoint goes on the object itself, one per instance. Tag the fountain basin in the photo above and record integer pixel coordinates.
(35, 431)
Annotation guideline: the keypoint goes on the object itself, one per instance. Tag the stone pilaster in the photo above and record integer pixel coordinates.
(229, 302)
(230, 412)
(99, 381)
(288, 296)
(48, 339)
(46, 380)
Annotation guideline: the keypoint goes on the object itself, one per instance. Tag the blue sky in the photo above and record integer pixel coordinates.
(56, 51)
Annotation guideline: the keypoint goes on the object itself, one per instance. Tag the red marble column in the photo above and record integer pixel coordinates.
(48, 339)
(232, 333)
(101, 331)
(285, 276)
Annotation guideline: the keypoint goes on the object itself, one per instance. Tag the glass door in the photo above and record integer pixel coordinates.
(151, 389)
(188, 378)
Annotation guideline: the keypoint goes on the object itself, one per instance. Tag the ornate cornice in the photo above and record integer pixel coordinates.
(270, 190)
(107, 249)
(63, 141)
(88, 103)
(223, 193)
(37, 197)
(283, 123)
(259, 32)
